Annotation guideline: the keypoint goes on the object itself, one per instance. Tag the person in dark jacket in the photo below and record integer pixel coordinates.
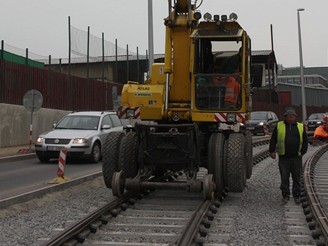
(289, 140)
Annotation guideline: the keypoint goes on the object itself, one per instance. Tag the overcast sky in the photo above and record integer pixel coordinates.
(42, 25)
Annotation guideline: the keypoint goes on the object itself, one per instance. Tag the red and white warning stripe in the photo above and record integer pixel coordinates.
(122, 112)
(62, 162)
(31, 135)
(222, 117)
(26, 151)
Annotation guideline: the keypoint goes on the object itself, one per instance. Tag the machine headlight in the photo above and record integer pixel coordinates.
(231, 117)
(175, 117)
(207, 16)
(130, 113)
(233, 17)
(39, 140)
(197, 15)
(80, 140)
(261, 123)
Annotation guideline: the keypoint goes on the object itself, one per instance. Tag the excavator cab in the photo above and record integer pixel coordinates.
(221, 67)
(212, 77)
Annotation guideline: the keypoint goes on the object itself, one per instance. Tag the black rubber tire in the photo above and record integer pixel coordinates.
(249, 153)
(43, 157)
(95, 153)
(236, 168)
(216, 159)
(127, 155)
(110, 156)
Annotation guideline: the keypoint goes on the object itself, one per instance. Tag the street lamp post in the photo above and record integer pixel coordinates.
(301, 66)
(150, 35)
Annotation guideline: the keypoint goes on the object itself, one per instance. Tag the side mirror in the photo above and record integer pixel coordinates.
(105, 127)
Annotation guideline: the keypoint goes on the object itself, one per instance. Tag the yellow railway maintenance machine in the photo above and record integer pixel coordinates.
(185, 99)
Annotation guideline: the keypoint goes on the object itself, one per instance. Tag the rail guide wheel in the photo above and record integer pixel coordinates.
(118, 184)
(208, 187)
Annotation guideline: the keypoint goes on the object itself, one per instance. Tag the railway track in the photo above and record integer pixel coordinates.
(315, 196)
(162, 217)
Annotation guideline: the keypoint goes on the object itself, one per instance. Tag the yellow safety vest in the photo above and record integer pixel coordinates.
(281, 133)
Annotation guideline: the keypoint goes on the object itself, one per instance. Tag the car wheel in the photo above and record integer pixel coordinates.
(95, 153)
(43, 157)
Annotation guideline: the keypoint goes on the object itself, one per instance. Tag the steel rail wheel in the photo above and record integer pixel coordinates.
(208, 187)
(118, 184)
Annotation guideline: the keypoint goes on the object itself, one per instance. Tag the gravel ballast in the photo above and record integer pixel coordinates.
(24, 224)
(259, 220)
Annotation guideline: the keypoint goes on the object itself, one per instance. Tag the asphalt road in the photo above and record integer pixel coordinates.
(24, 175)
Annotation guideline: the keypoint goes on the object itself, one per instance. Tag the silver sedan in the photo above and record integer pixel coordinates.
(82, 134)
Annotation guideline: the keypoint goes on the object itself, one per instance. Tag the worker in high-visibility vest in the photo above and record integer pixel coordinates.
(321, 132)
(289, 140)
(232, 66)
(231, 92)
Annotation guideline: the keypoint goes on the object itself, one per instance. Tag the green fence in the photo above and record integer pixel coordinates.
(7, 56)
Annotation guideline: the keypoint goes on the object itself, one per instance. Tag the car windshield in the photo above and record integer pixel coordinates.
(79, 122)
(259, 115)
(316, 117)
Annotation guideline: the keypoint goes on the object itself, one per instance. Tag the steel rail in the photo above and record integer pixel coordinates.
(192, 228)
(318, 212)
(73, 231)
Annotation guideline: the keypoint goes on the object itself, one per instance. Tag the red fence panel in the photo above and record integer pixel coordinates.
(59, 91)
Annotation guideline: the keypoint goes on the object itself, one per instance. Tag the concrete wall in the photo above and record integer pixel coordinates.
(15, 123)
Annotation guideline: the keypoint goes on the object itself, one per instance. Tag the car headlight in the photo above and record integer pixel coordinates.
(80, 140)
(39, 140)
(261, 123)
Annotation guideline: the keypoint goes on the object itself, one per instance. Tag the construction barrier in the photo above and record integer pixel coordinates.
(26, 151)
(62, 162)
(61, 168)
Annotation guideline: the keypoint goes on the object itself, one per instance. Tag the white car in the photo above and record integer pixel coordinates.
(81, 133)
